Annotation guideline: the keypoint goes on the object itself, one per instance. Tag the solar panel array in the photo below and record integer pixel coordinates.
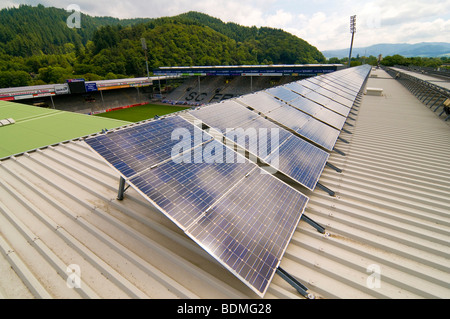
(243, 217)
(239, 125)
(231, 207)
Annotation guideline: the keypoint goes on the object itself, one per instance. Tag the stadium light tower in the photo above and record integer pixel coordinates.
(144, 47)
(352, 31)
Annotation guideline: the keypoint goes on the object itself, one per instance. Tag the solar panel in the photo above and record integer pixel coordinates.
(261, 101)
(184, 191)
(321, 134)
(319, 112)
(300, 161)
(335, 97)
(228, 114)
(246, 135)
(240, 215)
(249, 229)
(297, 87)
(306, 126)
(318, 98)
(334, 88)
(242, 124)
(132, 151)
(283, 93)
(329, 103)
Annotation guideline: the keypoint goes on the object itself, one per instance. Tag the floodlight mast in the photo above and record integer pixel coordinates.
(352, 31)
(144, 47)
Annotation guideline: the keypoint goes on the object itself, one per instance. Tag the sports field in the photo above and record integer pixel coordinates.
(141, 113)
(37, 127)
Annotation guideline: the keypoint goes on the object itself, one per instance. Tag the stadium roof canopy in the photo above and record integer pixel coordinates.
(249, 70)
(388, 227)
(49, 90)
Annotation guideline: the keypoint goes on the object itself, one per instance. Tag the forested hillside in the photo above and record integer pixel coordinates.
(37, 46)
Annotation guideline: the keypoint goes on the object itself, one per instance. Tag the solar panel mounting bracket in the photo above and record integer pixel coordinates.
(122, 189)
(346, 131)
(334, 167)
(339, 152)
(343, 140)
(302, 289)
(326, 189)
(314, 224)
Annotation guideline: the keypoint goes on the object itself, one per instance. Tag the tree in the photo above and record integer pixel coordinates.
(14, 79)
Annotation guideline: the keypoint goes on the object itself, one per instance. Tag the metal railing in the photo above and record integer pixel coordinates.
(433, 96)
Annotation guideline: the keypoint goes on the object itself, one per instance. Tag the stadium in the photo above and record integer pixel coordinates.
(362, 163)
(245, 166)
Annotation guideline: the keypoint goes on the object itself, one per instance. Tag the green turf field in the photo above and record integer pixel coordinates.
(141, 113)
(37, 127)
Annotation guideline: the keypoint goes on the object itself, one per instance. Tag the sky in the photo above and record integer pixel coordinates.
(323, 23)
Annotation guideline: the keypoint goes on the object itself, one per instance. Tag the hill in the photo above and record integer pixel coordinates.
(37, 46)
(268, 44)
(27, 30)
(424, 49)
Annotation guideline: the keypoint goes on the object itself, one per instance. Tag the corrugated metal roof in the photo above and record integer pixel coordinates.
(58, 208)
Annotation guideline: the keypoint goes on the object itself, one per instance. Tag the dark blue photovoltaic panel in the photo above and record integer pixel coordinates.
(283, 93)
(326, 90)
(239, 214)
(329, 103)
(245, 132)
(300, 161)
(228, 114)
(290, 117)
(348, 94)
(260, 104)
(321, 134)
(335, 97)
(139, 147)
(319, 112)
(249, 136)
(306, 126)
(185, 190)
(297, 88)
(318, 98)
(261, 101)
(250, 228)
(331, 118)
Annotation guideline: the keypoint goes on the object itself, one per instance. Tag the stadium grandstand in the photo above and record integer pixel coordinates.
(372, 219)
(78, 95)
(209, 84)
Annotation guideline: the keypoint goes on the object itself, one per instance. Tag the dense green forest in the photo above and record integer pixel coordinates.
(396, 60)
(37, 46)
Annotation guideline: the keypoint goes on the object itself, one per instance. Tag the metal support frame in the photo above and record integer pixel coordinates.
(302, 289)
(122, 189)
(339, 152)
(326, 189)
(343, 140)
(346, 131)
(314, 224)
(334, 167)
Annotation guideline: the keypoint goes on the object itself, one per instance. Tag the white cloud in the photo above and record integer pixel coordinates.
(281, 19)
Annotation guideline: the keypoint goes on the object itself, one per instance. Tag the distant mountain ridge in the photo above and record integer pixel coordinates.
(423, 49)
